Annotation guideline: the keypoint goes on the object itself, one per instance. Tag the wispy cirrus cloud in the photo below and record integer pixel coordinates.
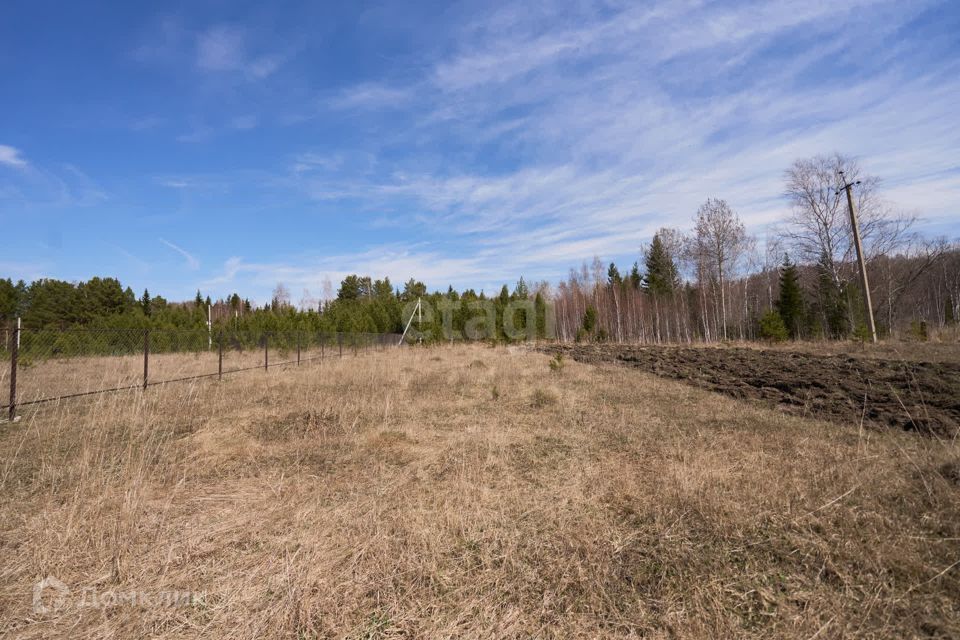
(609, 123)
(372, 96)
(226, 48)
(189, 259)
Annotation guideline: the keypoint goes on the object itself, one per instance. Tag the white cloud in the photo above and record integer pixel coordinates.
(371, 96)
(264, 66)
(615, 126)
(12, 157)
(539, 137)
(191, 261)
(220, 48)
(225, 48)
(244, 123)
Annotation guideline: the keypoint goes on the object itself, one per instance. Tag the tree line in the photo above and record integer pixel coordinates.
(711, 282)
(716, 282)
(362, 305)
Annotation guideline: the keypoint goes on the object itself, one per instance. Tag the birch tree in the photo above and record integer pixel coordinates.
(722, 240)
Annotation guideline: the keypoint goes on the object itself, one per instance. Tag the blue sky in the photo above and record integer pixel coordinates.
(230, 146)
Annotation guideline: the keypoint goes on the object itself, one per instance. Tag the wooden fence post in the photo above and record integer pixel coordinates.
(146, 356)
(14, 354)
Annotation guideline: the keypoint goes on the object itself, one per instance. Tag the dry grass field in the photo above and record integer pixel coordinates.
(471, 492)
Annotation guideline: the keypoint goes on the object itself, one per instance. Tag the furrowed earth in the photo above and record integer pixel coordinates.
(879, 391)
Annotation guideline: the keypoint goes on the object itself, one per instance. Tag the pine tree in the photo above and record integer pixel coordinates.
(790, 302)
(772, 327)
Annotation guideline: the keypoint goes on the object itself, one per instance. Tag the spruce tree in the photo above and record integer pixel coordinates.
(145, 302)
(613, 276)
(635, 278)
(790, 302)
(662, 276)
(589, 323)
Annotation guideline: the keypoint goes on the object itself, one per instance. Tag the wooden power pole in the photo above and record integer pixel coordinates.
(855, 227)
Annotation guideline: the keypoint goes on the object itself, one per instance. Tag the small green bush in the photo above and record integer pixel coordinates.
(557, 363)
(772, 327)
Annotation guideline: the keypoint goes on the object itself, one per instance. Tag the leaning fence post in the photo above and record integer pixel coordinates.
(266, 351)
(220, 356)
(146, 356)
(14, 352)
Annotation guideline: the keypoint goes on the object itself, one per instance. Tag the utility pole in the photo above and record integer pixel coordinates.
(868, 307)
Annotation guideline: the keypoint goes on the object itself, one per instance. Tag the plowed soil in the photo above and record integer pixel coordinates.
(920, 396)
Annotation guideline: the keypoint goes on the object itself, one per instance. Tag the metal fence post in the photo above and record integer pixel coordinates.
(146, 356)
(14, 353)
(266, 351)
(322, 343)
(340, 343)
(298, 348)
(220, 356)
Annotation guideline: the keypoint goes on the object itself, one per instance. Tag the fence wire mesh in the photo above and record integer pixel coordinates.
(44, 365)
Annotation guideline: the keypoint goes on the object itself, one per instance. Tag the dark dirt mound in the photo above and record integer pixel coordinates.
(920, 396)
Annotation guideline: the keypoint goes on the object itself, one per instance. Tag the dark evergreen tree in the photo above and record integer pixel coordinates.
(9, 300)
(540, 311)
(790, 303)
(413, 289)
(350, 288)
(145, 303)
(772, 326)
(590, 320)
(521, 292)
(613, 276)
(662, 276)
(636, 280)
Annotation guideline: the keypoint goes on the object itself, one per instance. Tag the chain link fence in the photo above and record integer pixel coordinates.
(46, 365)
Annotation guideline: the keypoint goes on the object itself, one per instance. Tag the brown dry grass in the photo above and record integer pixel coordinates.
(473, 492)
